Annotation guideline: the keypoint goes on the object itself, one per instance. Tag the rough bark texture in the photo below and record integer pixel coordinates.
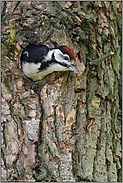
(65, 127)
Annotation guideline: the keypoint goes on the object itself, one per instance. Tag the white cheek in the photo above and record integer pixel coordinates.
(59, 56)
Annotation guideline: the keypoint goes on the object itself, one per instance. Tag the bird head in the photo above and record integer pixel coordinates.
(65, 56)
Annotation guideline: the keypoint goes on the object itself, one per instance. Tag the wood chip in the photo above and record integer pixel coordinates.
(6, 95)
(96, 102)
(32, 113)
(19, 84)
(68, 4)
(25, 94)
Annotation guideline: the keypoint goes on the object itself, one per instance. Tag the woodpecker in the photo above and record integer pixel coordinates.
(37, 61)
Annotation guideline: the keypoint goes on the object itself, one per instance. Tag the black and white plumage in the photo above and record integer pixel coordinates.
(37, 61)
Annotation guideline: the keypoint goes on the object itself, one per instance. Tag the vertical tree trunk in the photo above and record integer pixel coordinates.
(65, 127)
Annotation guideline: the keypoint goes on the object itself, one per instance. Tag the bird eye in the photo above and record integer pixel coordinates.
(66, 57)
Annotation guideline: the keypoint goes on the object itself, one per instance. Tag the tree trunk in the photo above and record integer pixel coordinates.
(66, 127)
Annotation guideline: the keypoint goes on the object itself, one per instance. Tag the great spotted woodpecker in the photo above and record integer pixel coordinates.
(37, 61)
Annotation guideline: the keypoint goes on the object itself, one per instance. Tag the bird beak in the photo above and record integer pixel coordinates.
(74, 68)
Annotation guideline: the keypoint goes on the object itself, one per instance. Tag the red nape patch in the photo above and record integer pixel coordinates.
(70, 52)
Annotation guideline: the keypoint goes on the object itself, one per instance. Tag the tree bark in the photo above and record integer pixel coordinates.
(66, 127)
